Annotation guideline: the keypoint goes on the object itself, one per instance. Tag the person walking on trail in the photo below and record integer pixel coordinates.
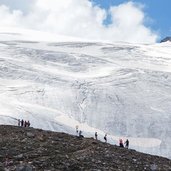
(96, 135)
(19, 122)
(126, 143)
(28, 123)
(80, 134)
(76, 129)
(25, 123)
(121, 143)
(105, 138)
(22, 122)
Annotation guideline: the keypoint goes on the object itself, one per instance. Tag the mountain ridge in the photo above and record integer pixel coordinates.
(166, 39)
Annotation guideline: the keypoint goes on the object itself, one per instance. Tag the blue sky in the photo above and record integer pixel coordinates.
(159, 11)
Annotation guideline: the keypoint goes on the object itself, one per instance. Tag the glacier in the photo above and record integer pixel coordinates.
(58, 82)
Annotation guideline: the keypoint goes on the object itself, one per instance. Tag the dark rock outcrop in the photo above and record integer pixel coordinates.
(28, 149)
(166, 39)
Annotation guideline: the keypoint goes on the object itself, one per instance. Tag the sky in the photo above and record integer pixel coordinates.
(158, 11)
(136, 21)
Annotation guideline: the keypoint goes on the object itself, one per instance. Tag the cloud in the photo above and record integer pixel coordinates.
(80, 18)
(8, 18)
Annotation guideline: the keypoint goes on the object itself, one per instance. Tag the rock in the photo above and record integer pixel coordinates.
(30, 134)
(153, 167)
(24, 140)
(134, 160)
(41, 138)
(20, 156)
(1, 164)
(24, 168)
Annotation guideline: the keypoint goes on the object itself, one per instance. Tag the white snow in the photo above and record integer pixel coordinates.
(57, 82)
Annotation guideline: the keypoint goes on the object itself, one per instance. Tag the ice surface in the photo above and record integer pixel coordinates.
(116, 88)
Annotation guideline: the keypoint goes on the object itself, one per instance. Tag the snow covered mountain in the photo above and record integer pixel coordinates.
(166, 39)
(58, 82)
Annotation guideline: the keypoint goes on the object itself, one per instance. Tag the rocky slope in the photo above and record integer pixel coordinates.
(34, 149)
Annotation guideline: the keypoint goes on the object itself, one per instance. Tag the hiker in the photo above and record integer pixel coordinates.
(25, 124)
(105, 138)
(28, 123)
(96, 135)
(76, 129)
(22, 122)
(19, 122)
(121, 143)
(126, 143)
(80, 134)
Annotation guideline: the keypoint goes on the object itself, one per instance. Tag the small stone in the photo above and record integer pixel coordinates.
(24, 140)
(24, 168)
(134, 160)
(20, 156)
(30, 135)
(153, 167)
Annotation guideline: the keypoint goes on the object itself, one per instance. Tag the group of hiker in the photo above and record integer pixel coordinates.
(121, 143)
(23, 123)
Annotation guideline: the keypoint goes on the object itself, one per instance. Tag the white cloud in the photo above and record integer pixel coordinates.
(80, 18)
(8, 18)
